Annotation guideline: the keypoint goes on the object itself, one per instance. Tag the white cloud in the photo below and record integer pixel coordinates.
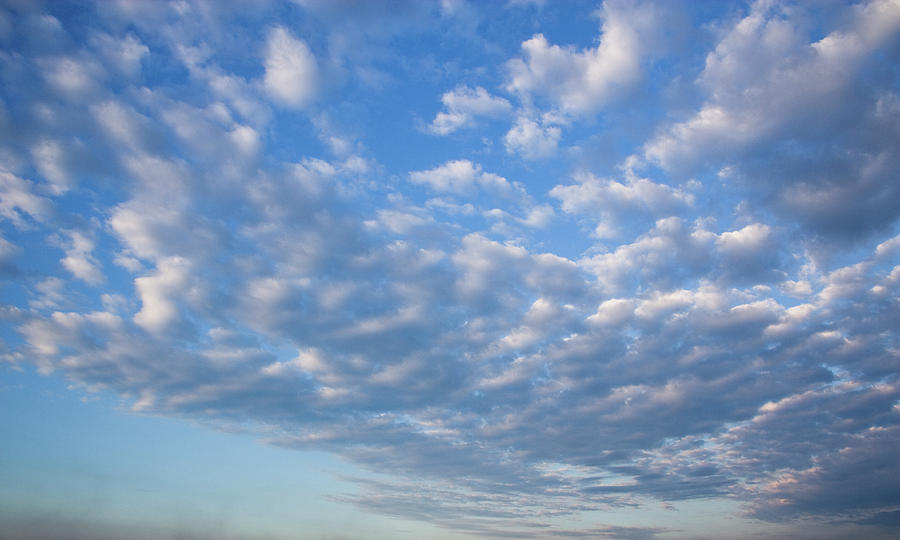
(541, 320)
(50, 160)
(450, 207)
(201, 130)
(245, 139)
(114, 303)
(664, 303)
(667, 254)
(18, 200)
(402, 222)
(73, 77)
(292, 74)
(239, 93)
(751, 238)
(142, 229)
(159, 292)
(123, 125)
(463, 105)
(764, 80)
(50, 294)
(532, 140)
(538, 216)
(124, 54)
(484, 263)
(79, 259)
(614, 201)
(584, 81)
(613, 312)
(459, 176)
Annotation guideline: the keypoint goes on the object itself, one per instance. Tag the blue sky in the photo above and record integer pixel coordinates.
(447, 270)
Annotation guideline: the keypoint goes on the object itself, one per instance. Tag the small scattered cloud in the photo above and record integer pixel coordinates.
(459, 176)
(531, 139)
(292, 73)
(463, 106)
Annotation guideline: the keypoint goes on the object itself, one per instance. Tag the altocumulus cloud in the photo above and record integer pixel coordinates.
(232, 215)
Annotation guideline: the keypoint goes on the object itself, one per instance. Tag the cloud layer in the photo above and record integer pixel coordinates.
(254, 234)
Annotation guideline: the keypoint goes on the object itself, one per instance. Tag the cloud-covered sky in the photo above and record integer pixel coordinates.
(450, 269)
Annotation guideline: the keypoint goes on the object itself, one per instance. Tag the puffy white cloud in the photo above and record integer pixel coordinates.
(749, 254)
(669, 253)
(538, 216)
(159, 292)
(584, 81)
(575, 83)
(459, 176)
(463, 105)
(751, 238)
(292, 73)
(672, 253)
(768, 83)
(532, 140)
(591, 194)
(144, 229)
(767, 86)
(613, 201)
(613, 312)
(483, 263)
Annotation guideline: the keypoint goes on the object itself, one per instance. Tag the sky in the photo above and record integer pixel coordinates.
(333, 269)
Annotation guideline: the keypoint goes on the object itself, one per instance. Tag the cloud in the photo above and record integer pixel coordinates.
(491, 366)
(19, 200)
(584, 81)
(763, 78)
(79, 259)
(767, 87)
(8, 252)
(662, 258)
(459, 176)
(613, 202)
(124, 126)
(73, 77)
(158, 292)
(124, 54)
(292, 74)
(463, 106)
(50, 160)
(532, 140)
